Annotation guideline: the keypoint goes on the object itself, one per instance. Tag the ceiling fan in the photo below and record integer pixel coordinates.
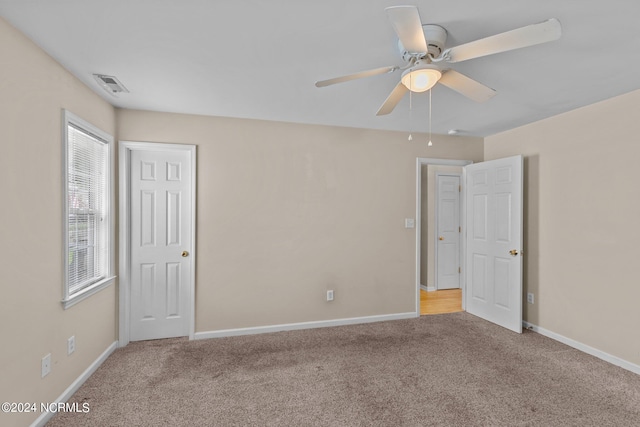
(421, 47)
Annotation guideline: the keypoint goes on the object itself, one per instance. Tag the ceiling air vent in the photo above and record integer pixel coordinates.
(110, 83)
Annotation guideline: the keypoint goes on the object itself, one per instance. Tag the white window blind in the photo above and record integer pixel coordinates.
(88, 239)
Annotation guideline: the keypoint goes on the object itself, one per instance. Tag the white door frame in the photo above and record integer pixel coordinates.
(437, 219)
(124, 281)
(420, 161)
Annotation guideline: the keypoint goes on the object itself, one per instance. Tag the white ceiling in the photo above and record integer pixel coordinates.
(259, 59)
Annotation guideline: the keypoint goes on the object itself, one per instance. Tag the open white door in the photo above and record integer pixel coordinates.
(494, 241)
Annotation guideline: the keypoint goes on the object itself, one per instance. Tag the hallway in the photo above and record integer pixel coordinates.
(440, 302)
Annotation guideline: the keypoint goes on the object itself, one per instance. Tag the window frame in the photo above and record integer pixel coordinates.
(70, 299)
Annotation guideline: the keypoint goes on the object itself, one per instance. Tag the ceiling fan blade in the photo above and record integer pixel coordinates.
(407, 25)
(530, 35)
(392, 100)
(466, 86)
(362, 74)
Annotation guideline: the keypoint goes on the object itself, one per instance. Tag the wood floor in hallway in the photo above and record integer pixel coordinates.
(440, 302)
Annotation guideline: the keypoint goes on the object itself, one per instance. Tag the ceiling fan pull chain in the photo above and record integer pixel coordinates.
(410, 117)
(430, 143)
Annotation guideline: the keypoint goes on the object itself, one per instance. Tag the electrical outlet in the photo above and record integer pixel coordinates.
(46, 365)
(329, 295)
(530, 298)
(71, 344)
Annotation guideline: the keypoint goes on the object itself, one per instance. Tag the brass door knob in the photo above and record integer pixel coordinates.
(185, 254)
(440, 238)
(513, 252)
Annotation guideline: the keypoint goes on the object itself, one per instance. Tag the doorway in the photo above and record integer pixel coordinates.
(157, 240)
(491, 254)
(438, 219)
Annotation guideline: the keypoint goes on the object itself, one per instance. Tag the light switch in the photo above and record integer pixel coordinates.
(409, 223)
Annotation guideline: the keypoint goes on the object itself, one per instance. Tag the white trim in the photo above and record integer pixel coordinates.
(443, 162)
(87, 292)
(66, 395)
(69, 118)
(614, 360)
(302, 325)
(463, 248)
(428, 288)
(124, 158)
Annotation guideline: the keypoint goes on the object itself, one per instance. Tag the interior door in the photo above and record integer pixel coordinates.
(494, 241)
(160, 244)
(448, 228)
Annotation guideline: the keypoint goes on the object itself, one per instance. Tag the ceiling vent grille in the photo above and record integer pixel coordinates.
(111, 84)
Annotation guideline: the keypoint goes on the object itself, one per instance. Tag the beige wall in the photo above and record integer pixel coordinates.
(287, 211)
(582, 207)
(428, 226)
(33, 91)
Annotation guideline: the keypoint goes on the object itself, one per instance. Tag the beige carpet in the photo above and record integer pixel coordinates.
(443, 370)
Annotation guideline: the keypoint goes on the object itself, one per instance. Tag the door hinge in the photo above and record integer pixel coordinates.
(459, 188)
(459, 269)
(459, 229)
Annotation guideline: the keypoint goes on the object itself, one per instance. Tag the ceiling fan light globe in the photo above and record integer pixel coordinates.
(421, 80)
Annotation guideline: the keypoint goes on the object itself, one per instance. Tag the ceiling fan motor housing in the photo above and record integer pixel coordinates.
(436, 37)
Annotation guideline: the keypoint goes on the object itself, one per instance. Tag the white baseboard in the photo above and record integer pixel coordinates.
(66, 395)
(614, 360)
(428, 288)
(302, 325)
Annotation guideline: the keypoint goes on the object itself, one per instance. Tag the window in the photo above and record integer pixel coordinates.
(87, 236)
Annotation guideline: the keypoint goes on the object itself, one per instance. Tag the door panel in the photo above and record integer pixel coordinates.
(147, 218)
(494, 228)
(173, 218)
(479, 275)
(160, 231)
(174, 284)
